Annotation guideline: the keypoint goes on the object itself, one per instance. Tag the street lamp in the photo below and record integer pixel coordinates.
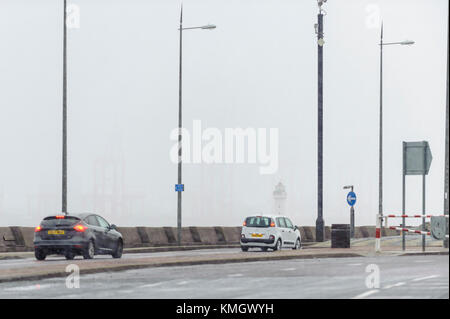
(320, 223)
(180, 187)
(380, 167)
(64, 124)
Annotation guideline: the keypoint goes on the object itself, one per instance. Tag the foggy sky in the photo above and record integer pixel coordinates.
(257, 69)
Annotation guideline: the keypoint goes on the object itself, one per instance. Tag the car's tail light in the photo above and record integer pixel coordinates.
(59, 216)
(244, 224)
(80, 228)
(38, 229)
(271, 237)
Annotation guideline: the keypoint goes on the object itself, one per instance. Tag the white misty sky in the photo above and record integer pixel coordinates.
(257, 69)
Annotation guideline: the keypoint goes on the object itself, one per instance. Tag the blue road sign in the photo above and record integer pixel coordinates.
(179, 187)
(351, 198)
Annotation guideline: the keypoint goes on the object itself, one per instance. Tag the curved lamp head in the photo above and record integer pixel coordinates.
(208, 27)
(407, 42)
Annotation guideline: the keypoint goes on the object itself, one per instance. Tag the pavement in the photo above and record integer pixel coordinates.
(394, 277)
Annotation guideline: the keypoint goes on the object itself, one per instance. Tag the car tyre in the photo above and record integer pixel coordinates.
(89, 252)
(244, 248)
(119, 249)
(39, 254)
(278, 245)
(298, 244)
(69, 255)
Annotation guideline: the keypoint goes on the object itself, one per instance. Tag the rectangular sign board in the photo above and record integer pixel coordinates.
(416, 158)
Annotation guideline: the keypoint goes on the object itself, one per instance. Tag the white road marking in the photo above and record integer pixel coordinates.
(235, 275)
(151, 285)
(354, 264)
(366, 294)
(27, 288)
(182, 283)
(425, 278)
(395, 285)
(289, 269)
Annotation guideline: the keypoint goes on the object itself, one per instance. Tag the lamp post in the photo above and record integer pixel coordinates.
(320, 223)
(380, 153)
(64, 124)
(446, 194)
(179, 188)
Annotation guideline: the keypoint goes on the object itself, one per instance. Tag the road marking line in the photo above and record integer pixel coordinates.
(288, 269)
(425, 278)
(182, 283)
(151, 285)
(366, 294)
(395, 285)
(354, 264)
(27, 288)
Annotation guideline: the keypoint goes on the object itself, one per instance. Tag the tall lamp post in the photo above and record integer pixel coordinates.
(64, 124)
(320, 223)
(380, 163)
(180, 187)
(446, 194)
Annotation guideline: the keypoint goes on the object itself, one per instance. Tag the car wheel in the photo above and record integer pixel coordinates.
(244, 248)
(264, 248)
(278, 245)
(89, 251)
(119, 249)
(39, 254)
(298, 244)
(69, 255)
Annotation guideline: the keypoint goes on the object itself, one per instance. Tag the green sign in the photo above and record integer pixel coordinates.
(416, 158)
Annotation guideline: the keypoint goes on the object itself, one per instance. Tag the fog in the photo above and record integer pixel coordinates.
(257, 69)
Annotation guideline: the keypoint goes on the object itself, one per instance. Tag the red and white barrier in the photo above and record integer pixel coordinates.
(413, 216)
(380, 218)
(411, 231)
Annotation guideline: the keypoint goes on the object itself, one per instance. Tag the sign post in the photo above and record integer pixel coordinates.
(351, 200)
(416, 161)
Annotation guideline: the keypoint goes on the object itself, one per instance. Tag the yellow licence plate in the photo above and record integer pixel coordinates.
(257, 235)
(56, 232)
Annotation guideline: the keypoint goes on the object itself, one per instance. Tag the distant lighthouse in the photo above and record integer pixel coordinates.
(279, 196)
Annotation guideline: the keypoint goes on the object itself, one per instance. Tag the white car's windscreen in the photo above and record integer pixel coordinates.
(257, 221)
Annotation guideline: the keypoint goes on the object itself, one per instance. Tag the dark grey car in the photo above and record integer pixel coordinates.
(77, 234)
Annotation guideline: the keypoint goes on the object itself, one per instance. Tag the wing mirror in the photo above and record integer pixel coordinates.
(112, 226)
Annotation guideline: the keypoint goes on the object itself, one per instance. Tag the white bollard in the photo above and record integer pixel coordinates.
(378, 234)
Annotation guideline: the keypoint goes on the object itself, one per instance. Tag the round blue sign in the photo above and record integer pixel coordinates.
(351, 198)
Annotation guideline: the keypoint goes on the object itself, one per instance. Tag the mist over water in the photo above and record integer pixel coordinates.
(258, 69)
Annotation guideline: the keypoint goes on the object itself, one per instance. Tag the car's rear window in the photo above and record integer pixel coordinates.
(55, 221)
(257, 221)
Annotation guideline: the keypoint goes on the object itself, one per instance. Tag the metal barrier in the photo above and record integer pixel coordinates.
(401, 229)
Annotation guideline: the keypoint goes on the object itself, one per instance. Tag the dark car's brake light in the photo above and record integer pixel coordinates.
(80, 228)
(38, 229)
(60, 216)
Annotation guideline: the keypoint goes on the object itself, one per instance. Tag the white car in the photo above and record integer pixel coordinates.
(274, 232)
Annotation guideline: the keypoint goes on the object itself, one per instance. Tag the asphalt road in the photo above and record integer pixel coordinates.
(399, 277)
(54, 259)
